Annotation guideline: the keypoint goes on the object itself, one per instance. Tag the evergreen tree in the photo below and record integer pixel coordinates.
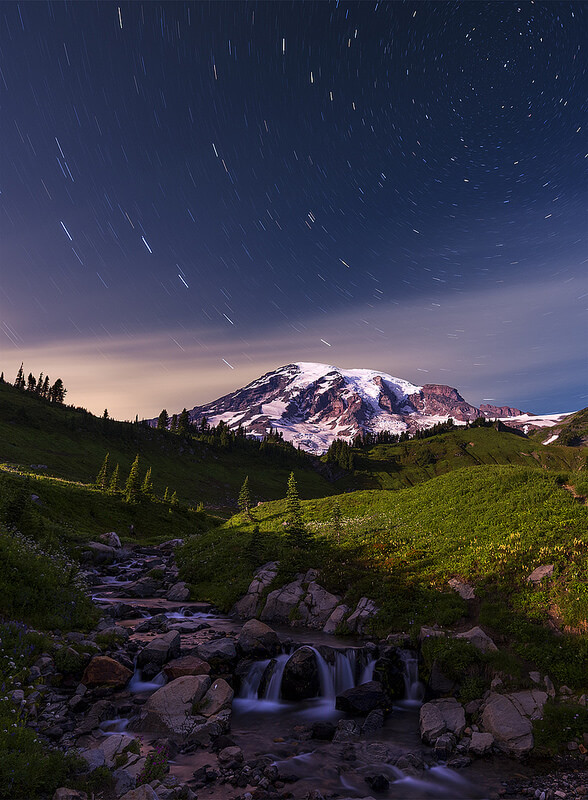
(45, 388)
(174, 423)
(113, 485)
(337, 520)
(101, 478)
(39, 384)
(58, 391)
(297, 533)
(132, 485)
(105, 415)
(147, 487)
(244, 500)
(2, 377)
(31, 383)
(183, 423)
(162, 420)
(19, 381)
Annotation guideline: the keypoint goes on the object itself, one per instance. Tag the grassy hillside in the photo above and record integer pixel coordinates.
(488, 525)
(71, 444)
(396, 466)
(572, 431)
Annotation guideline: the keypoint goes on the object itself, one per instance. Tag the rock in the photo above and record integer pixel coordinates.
(123, 781)
(69, 794)
(317, 605)
(230, 756)
(323, 731)
(258, 641)
(221, 654)
(94, 758)
(170, 545)
(373, 722)
(507, 718)
(144, 587)
(105, 671)
(281, 603)
(444, 746)
(362, 699)
(98, 553)
(248, 606)
(481, 743)
(301, 676)
(478, 639)
(544, 571)
(425, 632)
(186, 665)
(178, 593)
(440, 683)
(364, 611)
(535, 677)
(464, 590)
(160, 650)
(114, 745)
(169, 709)
(218, 698)
(440, 716)
(379, 783)
(336, 618)
(111, 539)
(347, 731)
(144, 792)
(116, 632)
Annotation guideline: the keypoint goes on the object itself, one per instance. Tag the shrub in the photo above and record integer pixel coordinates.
(156, 765)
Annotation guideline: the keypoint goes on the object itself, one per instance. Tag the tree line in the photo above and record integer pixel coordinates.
(135, 487)
(41, 386)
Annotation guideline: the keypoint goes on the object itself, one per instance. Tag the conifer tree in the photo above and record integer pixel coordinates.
(183, 422)
(297, 533)
(113, 485)
(31, 383)
(173, 426)
(162, 420)
(58, 391)
(147, 486)
(101, 478)
(132, 485)
(39, 384)
(244, 500)
(45, 388)
(19, 381)
(2, 377)
(105, 415)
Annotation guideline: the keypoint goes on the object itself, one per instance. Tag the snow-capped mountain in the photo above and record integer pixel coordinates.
(313, 404)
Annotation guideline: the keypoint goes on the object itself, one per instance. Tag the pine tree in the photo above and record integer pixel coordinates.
(105, 415)
(132, 485)
(337, 520)
(2, 377)
(244, 500)
(45, 388)
(162, 420)
(297, 533)
(173, 426)
(39, 384)
(101, 478)
(19, 381)
(31, 383)
(147, 486)
(113, 485)
(58, 391)
(183, 422)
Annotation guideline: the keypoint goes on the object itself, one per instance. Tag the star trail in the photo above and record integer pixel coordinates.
(195, 193)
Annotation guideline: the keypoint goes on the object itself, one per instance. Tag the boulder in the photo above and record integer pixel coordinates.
(69, 794)
(144, 792)
(218, 698)
(317, 606)
(105, 671)
(508, 718)
(178, 593)
(445, 715)
(169, 710)
(257, 640)
(301, 676)
(160, 650)
(464, 590)
(481, 743)
(111, 538)
(170, 545)
(362, 699)
(221, 654)
(186, 665)
(364, 611)
(336, 617)
(373, 722)
(144, 587)
(544, 571)
(248, 606)
(99, 553)
(115, 745)
(281, 603)
(479, 639)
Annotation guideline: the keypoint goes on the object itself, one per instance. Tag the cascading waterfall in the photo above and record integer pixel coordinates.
(414, 690)
(137, 684)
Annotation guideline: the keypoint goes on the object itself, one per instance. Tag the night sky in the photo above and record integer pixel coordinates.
(193, 194)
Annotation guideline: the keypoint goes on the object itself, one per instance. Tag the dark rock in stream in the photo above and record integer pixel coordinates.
(258, 640)
(300, 680)
(363, 699)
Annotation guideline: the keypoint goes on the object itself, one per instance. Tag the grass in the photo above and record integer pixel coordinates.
(488, 525)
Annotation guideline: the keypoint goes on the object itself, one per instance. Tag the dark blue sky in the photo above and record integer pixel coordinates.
(193, 194)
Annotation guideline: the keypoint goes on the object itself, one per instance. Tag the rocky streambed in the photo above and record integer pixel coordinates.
(178, 701)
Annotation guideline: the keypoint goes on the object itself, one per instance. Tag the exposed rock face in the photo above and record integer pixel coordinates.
(362, 699)
(544, 571)
(105, 671)
(464, 590)
(186, 665)
(249, 605)
(499, 411)
(300, 398)
(481, 743)
(257, 640)
(221, 654)
(301, 677)
(364, 611)
(178, 593)
(336, 618)
(508, 718)
(317, 606)
(479, 639)
(170, 710)
(441, 716)
(281, 603)
(111, 539)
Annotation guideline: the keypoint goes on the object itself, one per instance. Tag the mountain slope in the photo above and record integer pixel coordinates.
(312, 404)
